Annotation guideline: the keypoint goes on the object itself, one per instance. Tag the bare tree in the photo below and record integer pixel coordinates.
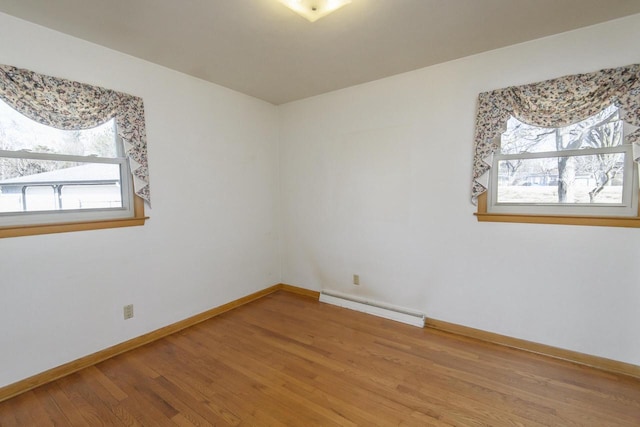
(603, 130)
(521, 138)
(604, 167)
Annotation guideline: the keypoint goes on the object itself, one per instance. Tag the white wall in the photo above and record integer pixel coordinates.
(375, 181)
(213, 232)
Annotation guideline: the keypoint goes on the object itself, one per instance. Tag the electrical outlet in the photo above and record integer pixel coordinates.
(128, 311)
(356, 279)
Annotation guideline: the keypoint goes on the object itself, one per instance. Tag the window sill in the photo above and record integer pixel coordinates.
(599, 221)
(31, 230)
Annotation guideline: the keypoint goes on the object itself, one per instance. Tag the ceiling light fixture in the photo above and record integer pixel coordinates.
(314, 9)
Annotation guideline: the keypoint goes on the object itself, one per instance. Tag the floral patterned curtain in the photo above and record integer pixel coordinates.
(69, 105)
(553, 103)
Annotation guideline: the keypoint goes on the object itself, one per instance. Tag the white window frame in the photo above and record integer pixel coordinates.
(19, 219)
(628, 207)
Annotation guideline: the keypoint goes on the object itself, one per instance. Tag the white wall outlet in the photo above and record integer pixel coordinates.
(128, 311)
(356, 279)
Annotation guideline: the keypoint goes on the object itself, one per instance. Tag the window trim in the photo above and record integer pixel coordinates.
(483, 215)
(137, 219)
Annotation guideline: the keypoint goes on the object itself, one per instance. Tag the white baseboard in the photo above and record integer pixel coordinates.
(399, 314)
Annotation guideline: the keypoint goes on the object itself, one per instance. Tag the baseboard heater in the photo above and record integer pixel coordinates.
(375, 308)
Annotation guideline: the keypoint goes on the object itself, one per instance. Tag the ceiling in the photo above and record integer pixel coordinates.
(263, 49)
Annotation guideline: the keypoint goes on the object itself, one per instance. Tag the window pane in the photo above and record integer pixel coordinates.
(524, 138)
(26, 185)
(91, 196)
(40, 198)
(601, 130)
(562, 180)
(18, 132)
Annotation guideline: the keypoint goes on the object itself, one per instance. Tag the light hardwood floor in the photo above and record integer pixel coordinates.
(288, 360)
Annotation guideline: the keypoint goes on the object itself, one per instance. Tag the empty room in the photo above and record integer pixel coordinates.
(319, 213)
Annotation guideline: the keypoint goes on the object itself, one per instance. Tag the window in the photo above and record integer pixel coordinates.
(72, 156)
(581, 169)
(561, 151)
(49, 175)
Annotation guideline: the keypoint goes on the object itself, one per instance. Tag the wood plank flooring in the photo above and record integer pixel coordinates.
(288, 360)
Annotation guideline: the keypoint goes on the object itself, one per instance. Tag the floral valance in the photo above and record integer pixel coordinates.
(553, 103)
(69, 105)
